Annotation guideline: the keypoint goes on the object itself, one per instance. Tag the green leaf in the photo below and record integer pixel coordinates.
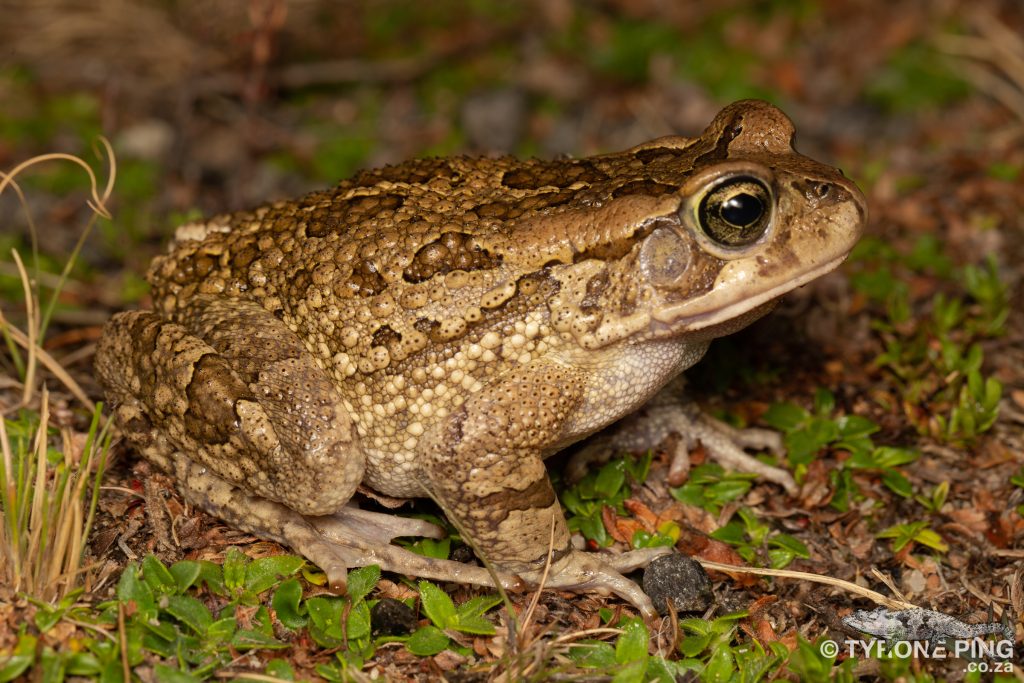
(24, 654)
(610, 479)
(721, 665)
(889, 456)
(593, 654)
(793, 545)
(83, 664)
(190, 612)
(427, 641)
(358, 624)
(659, 670)
(212, 574)
(732, 533)
(361, 581)
(475, 625)
(234, 568)
(325, 615)
(165, 674)
(13, 666)
(691, 646)
(728, 490)
(633, 672)
(855, 426)
(245, 639)
(287, 604)
(131, 588)
(779, 558)
(897, 483)
(222, 630)
(262, 573)
(632, 643)
(802, 445)
(592, 528)
(47, 617)
(478, 605)
(824, 402)
(280, 668)
(185, 573)
(158, 628)
(52, 665)
(438, 607)
(156, 576)
(932, 540)
(785, 417)
(439, 549)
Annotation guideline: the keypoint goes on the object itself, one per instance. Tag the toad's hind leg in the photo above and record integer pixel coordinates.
(337, 542)
(236, 390)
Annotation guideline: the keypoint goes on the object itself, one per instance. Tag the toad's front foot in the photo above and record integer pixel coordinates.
(667, 414)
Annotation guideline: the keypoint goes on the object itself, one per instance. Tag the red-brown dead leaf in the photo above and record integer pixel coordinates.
(815, 491)
(761, 604)
(611, 521)
(716, 551)
(856, 536)
(970, 518)
(696, 517)
(764, 632)
(789, 640)
(642, 513)
(396, 591)
(1005, 529)
(447, 660)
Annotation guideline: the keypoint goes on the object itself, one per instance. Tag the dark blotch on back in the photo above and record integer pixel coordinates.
(645, 187)
(720, 151)
(517, 207)
(560, 174)
(341, 214)
(647, 156)
(451, 251)
(385, 336)
(364, 281)
(428, 327)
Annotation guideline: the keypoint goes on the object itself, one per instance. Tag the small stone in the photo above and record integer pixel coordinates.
(392, 617)
(679, 579)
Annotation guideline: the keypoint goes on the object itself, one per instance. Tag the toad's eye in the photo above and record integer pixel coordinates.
(736, 212)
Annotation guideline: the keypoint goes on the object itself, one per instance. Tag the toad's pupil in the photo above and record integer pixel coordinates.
(742, 209)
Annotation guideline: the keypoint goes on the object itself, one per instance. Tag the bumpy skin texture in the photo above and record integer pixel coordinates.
(439, 327)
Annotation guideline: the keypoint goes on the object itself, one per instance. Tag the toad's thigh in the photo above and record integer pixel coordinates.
(237, 391)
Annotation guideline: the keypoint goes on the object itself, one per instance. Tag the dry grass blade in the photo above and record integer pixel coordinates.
(992, 61)
(46, 508)
(50, 363)
(877, 597)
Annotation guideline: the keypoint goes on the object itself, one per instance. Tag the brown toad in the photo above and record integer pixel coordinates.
(439, 327)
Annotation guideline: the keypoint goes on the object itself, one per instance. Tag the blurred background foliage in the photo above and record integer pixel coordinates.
(219, 106)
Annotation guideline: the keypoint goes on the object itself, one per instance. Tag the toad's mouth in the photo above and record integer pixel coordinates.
(684, 315)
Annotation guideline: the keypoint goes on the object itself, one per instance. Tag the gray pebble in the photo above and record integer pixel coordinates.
(679, 579)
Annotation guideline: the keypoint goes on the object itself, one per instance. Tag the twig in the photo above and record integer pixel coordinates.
(807, 576)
